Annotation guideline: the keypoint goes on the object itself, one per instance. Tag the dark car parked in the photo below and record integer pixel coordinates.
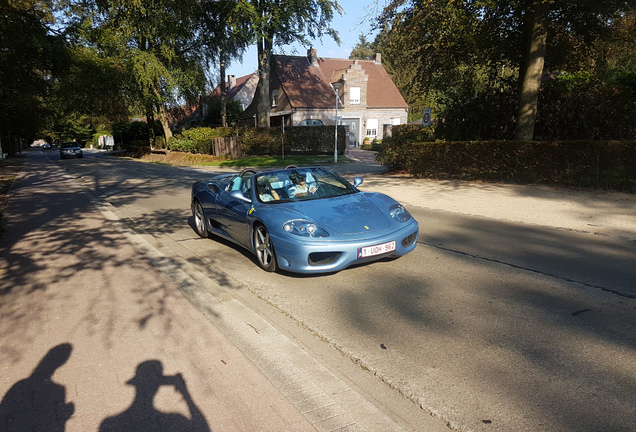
(70, 149)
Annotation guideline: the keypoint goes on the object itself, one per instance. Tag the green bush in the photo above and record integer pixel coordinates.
(260, 141)
(313, 139)
(199, 140)
(605, 164)
(263, 141)
(183, 145)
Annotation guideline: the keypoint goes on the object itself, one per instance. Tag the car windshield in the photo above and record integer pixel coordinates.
(69, 144)
(300, 184)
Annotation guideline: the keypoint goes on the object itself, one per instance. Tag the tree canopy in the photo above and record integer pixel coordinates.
(91, 62)
(491, 69)
(473, 57)
(281, 22)
(363, 50)
(31, 56)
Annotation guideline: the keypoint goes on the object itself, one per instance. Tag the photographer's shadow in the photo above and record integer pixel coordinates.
(142, 415)
(37, 402)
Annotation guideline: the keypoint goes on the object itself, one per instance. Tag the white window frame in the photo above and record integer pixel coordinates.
(395, 121)
(372, 127)
(354, 95)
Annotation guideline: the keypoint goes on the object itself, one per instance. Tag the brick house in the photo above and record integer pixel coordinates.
(301, 94)
(192, 115)
(241, 89)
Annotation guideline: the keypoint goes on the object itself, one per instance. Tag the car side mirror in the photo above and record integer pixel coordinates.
(357, 181)
(238, 195)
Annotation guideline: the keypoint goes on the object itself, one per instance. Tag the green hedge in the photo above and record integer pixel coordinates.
(314, 139)
(198, 140)
(605, 164)
(263, 141)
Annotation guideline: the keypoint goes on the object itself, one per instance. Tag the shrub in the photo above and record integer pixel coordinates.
(183, 145)
(263, 141)
(606, 164)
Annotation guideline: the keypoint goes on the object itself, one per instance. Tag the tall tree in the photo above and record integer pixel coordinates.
(226, 33)
(280, 22)
(92, 86)
(442, 37)
(533, 71)
(363, 50)
(156, 41)
(31, 58)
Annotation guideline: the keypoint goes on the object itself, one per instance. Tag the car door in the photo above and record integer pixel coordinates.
(232, 212)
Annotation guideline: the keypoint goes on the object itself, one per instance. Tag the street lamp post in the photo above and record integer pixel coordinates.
(336, 86)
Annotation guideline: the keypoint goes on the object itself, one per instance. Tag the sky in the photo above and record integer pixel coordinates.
(356, 19)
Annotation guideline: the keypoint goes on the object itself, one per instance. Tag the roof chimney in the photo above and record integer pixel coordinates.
(312, 56)
(378, 58)
(231, 82)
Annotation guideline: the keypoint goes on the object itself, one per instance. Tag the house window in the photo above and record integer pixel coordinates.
(354, 95)
(372, 127)
(275, 98)
(395, 121)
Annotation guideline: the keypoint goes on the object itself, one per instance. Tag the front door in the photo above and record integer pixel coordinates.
(353, 136)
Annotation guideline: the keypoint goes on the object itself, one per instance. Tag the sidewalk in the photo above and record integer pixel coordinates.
(91, 332)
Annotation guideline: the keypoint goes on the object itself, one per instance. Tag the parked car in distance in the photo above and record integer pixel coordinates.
(303, 220)
(46, 146)
(70, 149)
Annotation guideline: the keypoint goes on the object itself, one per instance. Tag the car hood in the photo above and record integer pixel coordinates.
(346, 215)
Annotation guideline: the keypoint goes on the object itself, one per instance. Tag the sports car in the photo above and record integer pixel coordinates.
(302, 219)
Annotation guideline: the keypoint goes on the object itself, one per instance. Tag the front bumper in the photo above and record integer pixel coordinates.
(71, 153)
(324, 256)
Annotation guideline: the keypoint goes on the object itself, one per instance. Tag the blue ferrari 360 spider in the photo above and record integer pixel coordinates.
(305, 220)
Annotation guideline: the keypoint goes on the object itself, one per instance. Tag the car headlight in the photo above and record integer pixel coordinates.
(399, 213)
(305, 228)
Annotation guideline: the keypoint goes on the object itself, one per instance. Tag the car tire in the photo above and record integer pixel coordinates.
(199, 220)
(264, 248)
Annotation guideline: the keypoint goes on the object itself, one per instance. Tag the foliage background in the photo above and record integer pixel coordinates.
(464, 59)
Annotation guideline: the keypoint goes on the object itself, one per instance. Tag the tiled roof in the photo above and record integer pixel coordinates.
(309, 86)
(230, 94)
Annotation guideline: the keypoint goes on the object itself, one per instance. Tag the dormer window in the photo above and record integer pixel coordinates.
(274, 98)
(354, 95)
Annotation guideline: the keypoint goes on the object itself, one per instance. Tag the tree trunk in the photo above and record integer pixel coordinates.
(262, 90)
(533, 70)
(223, 91)
(150, 121)
(163, 119)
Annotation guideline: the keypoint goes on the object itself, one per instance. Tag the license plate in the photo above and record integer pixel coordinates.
(376, 250)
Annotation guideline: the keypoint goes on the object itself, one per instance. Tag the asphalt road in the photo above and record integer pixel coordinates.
(489, 324)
